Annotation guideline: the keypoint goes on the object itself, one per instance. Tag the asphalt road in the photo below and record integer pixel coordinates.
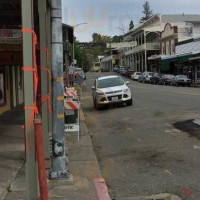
(152, 147)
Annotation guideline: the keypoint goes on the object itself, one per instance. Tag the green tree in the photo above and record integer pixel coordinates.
(81, 57)
(148, 13)
(116, 38)
(131, 25)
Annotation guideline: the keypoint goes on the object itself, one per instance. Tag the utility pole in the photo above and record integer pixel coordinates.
(58, 170)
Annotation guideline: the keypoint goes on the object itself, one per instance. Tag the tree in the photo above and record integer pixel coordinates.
(131, 25)
(148, 13)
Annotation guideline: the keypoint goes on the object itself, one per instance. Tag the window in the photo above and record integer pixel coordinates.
(2, 87)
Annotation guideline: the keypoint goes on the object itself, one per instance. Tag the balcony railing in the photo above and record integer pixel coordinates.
(110, 58)
(147, 46)
(153, 46)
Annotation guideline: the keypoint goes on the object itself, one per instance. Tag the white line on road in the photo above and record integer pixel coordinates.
(189, 93)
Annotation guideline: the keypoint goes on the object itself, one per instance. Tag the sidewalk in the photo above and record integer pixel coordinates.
(83, 165)
(11, 148)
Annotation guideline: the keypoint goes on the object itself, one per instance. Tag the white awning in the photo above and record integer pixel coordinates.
(162, 57)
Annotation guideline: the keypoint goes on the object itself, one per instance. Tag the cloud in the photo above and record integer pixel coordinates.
(104, 15)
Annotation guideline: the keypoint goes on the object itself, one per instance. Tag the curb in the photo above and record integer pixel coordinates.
(99, 183)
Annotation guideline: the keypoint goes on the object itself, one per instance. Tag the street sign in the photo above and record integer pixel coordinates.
(71, 70)
(71, 128)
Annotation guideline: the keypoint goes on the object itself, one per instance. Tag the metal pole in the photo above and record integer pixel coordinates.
(73, 51)
(30, 165)
(58, 170)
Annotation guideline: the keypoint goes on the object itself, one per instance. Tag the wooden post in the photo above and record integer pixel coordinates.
(31, 167)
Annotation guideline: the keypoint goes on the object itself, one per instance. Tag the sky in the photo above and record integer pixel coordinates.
(103, 16)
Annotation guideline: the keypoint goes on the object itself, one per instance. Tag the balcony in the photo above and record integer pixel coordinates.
(153, 46)
(110, 58)
(147, 46)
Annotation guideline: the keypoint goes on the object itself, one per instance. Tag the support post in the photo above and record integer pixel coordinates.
(30, 165)
(44, 79)
(48, 25)
(41, 159)
(58, 170)
(145, 53)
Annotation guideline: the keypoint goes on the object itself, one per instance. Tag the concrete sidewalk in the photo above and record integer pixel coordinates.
(83, 165)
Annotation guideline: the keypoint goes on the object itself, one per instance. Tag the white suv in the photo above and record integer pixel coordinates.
(111, 89)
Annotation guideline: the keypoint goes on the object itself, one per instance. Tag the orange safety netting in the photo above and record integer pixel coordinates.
(33, 108)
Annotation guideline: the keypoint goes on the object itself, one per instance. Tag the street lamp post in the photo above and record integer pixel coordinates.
(74, 41)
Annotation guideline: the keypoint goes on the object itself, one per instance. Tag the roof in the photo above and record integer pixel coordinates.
(180, 18)
(167, 18)
(191, 47)
(106, 77)
(69, 30)
(10, 13)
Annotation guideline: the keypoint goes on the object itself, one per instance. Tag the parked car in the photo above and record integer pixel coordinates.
(155, 79)
(135, 76)
(80, 72)
(181, 80)
(111, 89)
(148, 77)
(115, 69)
(166, 79)
(145, 77)
(121, 69)
(129, 73)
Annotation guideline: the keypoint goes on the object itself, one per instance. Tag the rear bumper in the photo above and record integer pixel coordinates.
(183, 83)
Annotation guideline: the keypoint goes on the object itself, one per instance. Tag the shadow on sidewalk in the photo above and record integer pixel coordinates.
(11, 147)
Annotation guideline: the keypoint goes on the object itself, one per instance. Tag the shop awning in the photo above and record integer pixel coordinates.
(184, 58)
(166, 63)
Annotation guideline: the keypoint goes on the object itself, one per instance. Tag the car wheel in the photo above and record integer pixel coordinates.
(189, 85)
(96, 105)
(129, 102)
(154, 82)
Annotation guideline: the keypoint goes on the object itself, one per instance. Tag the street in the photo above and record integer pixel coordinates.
(150, 148)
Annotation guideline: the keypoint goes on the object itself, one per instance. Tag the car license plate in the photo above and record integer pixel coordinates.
(114, 98)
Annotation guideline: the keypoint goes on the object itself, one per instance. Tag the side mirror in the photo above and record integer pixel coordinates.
(127, 82)
(93, 88)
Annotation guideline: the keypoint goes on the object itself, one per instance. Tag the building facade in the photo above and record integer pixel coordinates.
(110, 60)
(146, 37)
(158, 36)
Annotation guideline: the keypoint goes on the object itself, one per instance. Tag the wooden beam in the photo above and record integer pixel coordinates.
(30, 166)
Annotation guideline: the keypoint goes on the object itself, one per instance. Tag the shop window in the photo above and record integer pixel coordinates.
(2, 87)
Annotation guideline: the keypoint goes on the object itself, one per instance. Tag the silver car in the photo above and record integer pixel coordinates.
(111, 89)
